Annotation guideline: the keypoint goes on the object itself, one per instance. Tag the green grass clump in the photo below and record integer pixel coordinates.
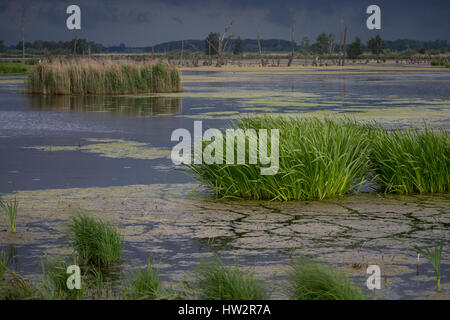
(87, 76)
(97, 243)
(13, 67)
(216, 281)
(314, 281)
(318, 159)
(434, 255)
(10, 209)
(147, 285)
(55, 281)
(411, 160)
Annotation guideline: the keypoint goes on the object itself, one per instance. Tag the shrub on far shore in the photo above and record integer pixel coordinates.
(13, 67)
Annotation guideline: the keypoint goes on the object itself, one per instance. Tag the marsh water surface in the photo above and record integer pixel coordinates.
(110, 155)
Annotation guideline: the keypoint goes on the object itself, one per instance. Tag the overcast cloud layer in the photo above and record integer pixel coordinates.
(148, 22)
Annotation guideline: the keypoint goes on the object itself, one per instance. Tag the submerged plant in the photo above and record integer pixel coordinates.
(3, 264)
(10, 209)
(411, 160)
(434, 255)
(147, 285)
(16, 287)
(318, 159)
(97, 243)
(216, 281)
(315, 281)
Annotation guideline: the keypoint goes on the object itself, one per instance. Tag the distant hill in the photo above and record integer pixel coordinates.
(248, 45)
(273, 45)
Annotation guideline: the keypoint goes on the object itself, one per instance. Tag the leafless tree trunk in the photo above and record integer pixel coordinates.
(223, 44)
(22, 27)
(340, 42)
(291, 58)
(343, 51)
(260, 50)
(209, 53)
(181, 55)
(75, 46)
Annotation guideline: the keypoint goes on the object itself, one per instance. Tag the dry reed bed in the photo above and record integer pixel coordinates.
(88, 76)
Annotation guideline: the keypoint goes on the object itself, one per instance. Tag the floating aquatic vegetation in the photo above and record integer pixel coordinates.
(113, 148)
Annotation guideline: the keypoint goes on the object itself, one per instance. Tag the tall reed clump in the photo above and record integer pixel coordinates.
(216, 281)
(10, 209)
(87, 76)
(97, 243)
(411, 160)
(318, 158)
(309, 280)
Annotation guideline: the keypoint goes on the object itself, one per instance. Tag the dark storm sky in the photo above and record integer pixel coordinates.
(147, 22)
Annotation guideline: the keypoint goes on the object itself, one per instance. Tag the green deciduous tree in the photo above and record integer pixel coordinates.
(354, 49)
(212, 43)
(376, 45)
(237, 46)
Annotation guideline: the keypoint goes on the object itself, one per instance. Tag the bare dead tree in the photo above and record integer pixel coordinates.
(23, 11)
(182, 49)
(291, 58)
(224, 40)
(344, 50)
(340, 41)
(260, 50)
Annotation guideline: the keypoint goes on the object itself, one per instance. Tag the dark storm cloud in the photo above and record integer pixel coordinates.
(145, 22)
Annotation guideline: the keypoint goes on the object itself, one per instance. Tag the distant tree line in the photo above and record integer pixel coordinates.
(78, 46)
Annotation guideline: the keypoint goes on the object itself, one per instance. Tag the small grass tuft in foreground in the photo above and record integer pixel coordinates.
(10, 209)
(55, 281)
(89, 76)
(97, 243)
(3, 264)
(216, 281)
(147, 285)
(411, 160)
(314, 281)
(434, 255)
